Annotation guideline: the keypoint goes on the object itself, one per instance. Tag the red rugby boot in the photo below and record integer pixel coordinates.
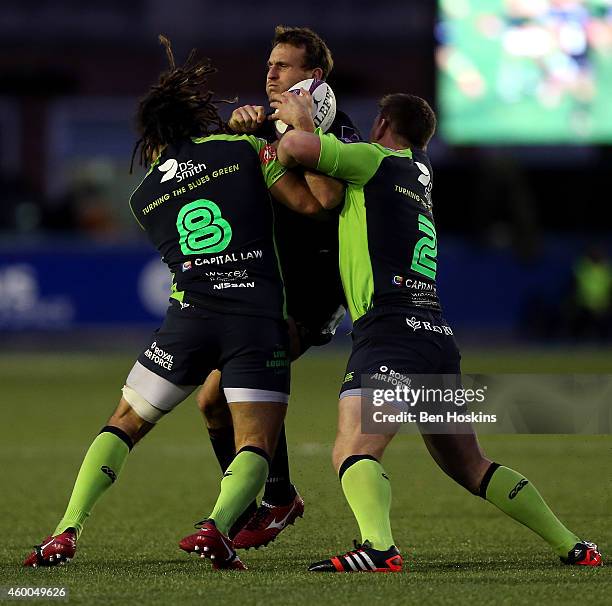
(210, 542)
(268, 522)
(53, 551)
(584, 553)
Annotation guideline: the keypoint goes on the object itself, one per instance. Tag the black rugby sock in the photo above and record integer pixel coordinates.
(279, 489)
(222, 440)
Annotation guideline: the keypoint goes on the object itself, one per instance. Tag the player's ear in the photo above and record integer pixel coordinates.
(317, 73)
(384, 127)
(379, 128)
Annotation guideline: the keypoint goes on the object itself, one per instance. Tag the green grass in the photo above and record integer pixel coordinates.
(459, 549)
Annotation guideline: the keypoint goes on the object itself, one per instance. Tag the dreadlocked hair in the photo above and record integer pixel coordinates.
(177, 107)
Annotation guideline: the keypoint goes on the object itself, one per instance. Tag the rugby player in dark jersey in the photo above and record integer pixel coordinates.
(388, 264)
(204, 205)
(308, 251)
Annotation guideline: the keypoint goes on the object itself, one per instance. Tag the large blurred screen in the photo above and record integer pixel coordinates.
(525, 71)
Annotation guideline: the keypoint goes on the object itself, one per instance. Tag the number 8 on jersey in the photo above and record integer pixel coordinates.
(202, 229)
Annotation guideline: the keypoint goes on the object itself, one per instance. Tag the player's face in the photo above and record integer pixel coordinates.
(285, 68)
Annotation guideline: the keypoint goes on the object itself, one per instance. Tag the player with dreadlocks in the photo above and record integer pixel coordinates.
(204, 204)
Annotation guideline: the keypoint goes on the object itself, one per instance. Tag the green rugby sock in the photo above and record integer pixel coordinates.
(99, 470)
(517, 497)
(241, 483)
(368, 492)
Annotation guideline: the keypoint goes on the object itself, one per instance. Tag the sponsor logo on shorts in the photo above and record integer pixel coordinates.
(413, 323)
(159, 356)
(186, 266)
(422, 325)
(391, 376)
(279, 359)
(517, 488)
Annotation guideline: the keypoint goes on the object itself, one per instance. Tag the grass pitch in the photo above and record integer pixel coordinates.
(458, 549)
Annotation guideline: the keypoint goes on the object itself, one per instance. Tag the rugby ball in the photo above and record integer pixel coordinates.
(324, 110)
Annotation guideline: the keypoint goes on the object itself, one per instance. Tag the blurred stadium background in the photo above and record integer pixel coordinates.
(522, 161)
(524, 240)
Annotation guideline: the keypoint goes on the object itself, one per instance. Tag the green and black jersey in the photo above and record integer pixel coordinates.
(205, 206)
(388, 245)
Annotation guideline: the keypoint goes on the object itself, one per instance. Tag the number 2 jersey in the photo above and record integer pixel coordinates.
(388, 245)
(205, 206)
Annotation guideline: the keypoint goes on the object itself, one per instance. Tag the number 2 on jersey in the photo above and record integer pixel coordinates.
(202, 229)
(425, 250)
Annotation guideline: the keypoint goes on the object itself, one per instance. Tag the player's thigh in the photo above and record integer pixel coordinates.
(257, 424)
(212, 403)
(255, 377)
(255, 363)
(181, 354)
(387, 343)
(210, 395)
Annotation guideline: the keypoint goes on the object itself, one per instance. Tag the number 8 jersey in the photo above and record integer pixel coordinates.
(205, 206)
(388, 244)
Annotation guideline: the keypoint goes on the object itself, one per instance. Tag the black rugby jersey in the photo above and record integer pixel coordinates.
(205, 206)
(388, 243)
(308, 248)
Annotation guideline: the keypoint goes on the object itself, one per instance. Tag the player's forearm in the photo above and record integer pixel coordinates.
(304, 123)
(327, 190)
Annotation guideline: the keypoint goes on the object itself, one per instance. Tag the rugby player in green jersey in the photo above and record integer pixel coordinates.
(388, 264)
(307, 250)
(204, 204)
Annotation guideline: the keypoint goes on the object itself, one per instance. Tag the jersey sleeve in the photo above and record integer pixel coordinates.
(354, 162)
(271, 168)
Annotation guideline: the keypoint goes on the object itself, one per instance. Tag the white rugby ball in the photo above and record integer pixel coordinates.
(324, 110)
